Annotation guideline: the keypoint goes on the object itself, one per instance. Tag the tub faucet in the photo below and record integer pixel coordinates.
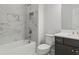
(30, 32)
(29, 36)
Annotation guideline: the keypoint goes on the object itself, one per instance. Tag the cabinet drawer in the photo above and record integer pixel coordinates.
(59, 40)
(71, 42)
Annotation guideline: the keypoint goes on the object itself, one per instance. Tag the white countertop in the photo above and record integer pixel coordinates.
(68, 35)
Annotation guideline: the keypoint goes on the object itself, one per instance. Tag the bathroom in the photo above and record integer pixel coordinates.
(32, 29)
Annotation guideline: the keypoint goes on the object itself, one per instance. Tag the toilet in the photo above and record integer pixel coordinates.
(44, 49)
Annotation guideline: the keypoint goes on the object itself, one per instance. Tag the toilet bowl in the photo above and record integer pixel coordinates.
(44, 49)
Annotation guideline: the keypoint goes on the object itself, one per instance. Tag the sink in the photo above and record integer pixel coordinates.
(68, 35)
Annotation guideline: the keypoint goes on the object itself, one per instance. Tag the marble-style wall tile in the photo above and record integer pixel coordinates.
(12, 18)
(18, 22)
(33, 21)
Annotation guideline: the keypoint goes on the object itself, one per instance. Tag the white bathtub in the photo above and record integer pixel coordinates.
(18, 48)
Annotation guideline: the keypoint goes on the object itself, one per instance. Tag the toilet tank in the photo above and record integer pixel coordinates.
(49, 39)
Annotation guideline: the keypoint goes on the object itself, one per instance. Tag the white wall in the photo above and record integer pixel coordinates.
(52, 18)
(49, 19)
(40, 22)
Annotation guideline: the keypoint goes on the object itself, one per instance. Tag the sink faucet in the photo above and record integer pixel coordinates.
(73, 32)
(77, 33)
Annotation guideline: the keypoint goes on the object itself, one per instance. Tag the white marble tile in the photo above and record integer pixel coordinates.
(12, 22)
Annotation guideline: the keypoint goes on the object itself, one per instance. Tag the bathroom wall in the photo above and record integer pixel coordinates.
(49, 20)
(40, 22)
(52, 18)
(67, 15)
(12, 18)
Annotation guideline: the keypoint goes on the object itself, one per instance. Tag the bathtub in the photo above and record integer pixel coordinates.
(18, 48)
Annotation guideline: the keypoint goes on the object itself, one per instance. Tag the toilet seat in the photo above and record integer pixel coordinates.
(43, 46)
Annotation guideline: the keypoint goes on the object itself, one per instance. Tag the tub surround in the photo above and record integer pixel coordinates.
(32, 21)
(15, 22)
(11, 23)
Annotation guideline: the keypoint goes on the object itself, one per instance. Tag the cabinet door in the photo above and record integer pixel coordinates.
(59, 49)
(64, 50)
(76, 51)
(68, 50)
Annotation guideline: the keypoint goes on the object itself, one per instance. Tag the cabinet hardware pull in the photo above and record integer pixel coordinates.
(76, 51)
(72, 50)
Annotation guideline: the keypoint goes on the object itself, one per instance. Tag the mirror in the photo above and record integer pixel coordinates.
(75, 18)
(70, 16)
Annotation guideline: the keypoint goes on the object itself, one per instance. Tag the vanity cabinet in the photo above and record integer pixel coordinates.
(66, 46)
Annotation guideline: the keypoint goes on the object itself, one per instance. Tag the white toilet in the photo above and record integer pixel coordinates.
(44, 49)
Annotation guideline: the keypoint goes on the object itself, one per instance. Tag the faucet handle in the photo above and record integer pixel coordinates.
(73, 32)
(77, 32)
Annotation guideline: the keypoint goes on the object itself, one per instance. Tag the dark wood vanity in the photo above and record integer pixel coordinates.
(66, 46)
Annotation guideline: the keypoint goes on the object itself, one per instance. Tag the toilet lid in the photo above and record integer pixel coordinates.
(43, 46)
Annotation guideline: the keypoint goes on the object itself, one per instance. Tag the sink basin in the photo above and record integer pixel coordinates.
(68, 35)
